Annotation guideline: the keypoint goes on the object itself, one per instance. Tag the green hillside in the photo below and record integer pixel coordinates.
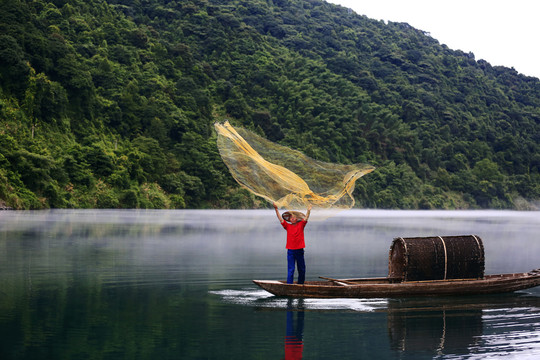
(111, 104)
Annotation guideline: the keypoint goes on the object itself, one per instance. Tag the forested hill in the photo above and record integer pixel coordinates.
(111, 104)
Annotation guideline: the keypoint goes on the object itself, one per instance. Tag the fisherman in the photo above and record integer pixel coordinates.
(294, 222)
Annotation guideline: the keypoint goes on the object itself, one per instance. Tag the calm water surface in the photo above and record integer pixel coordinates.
(177, 285)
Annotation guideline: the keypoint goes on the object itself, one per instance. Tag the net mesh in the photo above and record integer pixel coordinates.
(286, 176)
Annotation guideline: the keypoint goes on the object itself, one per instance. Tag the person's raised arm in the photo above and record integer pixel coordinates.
(308, 212)
(278, 214)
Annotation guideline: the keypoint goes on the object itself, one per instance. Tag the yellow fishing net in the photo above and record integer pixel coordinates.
(285, 176)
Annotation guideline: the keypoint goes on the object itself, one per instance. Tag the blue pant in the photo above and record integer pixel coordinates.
(296, 256)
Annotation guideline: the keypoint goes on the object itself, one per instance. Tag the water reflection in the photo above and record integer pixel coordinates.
(294, 343)
(440, 331)
(448, 327)
(433, 327)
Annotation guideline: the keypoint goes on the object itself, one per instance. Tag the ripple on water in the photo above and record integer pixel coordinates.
(260, 298)
(510, 333)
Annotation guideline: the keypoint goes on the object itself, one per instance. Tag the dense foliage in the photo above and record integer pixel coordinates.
(110, 103)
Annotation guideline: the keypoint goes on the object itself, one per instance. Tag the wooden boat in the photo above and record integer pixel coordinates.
(426, 266)
(388, 288)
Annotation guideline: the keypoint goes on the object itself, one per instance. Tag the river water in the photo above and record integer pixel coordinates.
(89, 284)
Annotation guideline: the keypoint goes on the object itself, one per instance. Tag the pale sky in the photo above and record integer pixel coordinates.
(502, 32)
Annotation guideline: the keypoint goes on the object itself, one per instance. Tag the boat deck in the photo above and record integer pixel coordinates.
(388, 287)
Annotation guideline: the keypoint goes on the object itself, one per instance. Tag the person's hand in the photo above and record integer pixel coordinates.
(309, 207)
(275, 206)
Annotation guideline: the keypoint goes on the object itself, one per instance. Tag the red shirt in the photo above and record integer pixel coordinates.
(295, 234)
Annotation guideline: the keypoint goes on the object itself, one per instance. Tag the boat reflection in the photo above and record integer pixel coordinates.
(294, 344)
(446, 326)
(434, 330)
(429, 326)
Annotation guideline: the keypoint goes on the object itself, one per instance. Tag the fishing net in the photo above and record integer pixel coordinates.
(286, 176)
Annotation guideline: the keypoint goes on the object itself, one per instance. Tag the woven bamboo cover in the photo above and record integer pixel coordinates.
(436, 258)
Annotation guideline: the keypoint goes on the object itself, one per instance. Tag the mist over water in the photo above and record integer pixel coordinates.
(177, 284)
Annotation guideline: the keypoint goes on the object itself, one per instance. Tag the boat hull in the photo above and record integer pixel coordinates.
(385, 288)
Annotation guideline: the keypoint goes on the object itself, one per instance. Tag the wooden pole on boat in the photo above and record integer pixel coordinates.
(339, 282)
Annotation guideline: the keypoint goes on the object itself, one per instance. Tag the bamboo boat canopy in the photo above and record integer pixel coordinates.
(436, 258)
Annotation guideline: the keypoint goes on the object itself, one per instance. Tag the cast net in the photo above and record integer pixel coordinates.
(285, 176)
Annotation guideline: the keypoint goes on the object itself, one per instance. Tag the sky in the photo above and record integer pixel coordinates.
(502, 32)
